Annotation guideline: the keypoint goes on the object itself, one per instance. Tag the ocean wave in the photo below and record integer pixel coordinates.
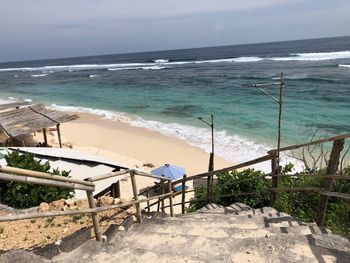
(233, 148)
(343, 66)
(314, 56)
(137, 68)
(161, 60)
(94, 76)
(38, 75)
(109, 115)
(154, 67)
(161, 63)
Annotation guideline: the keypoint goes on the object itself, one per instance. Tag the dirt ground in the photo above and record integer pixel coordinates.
(31, 233)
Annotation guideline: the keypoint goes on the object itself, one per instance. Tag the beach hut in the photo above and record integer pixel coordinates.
(22, 118)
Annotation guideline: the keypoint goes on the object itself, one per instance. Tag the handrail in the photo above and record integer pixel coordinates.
(227, 169)
(43, 181)
(76, 212)
(296, 146)
(25, 172)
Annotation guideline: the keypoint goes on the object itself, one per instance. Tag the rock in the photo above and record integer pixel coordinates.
(43, 207)
(131, 210)
(82, 203)
(105, 200)
(70, 202)
(117, 201)
(73, 207)
(121, 228)
(134, 219)
(57, 205)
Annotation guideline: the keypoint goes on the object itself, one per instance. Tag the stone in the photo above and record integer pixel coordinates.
(134, 219)
(57, 205)
(43, 207)
(82, 203)
(121, 228)
(70, 202)
(117, 201)
(105, 200)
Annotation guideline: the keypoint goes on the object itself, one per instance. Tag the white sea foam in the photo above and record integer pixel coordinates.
(314, 56)
(343, 66)
(38, 75)
(233, 148)
(94, 76)
(161, 60)
(161, 63)
(27, 100)
(153, 67)
(119, 116)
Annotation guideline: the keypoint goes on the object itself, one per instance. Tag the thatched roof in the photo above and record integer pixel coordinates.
(30, 118)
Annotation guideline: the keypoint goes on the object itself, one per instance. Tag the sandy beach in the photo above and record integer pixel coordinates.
(131, 146)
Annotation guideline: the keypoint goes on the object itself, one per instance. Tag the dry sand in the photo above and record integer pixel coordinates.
(133, 147)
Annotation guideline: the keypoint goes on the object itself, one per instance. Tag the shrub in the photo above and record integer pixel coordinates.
(21, 195)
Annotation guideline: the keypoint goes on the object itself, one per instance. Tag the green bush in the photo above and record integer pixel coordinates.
(227, 185)
(21, 195)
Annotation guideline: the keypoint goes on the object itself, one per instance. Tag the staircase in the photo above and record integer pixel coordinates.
(214, 233)
(219, 234)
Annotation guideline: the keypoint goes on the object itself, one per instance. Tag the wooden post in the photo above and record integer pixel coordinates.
(275, 179)
(94, 216)
(115, 190)
(170, 199)
(136, 196)
(163, 192)
(332, 168)
(45, 137)
(148, 207)
(59, 134)
(183, 194)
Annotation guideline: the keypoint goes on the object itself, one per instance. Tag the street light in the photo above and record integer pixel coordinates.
(211, 158)
(211, 125)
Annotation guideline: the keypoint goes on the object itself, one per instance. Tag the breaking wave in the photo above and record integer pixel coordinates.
(343, 66)
(233, 148)
(163, 63)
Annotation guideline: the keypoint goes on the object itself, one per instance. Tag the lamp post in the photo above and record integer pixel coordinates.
(211, 158)
(276, 166)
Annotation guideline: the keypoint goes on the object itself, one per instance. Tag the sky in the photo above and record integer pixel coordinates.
(41, 29)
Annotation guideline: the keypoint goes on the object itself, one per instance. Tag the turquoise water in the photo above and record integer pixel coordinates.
(166, 91)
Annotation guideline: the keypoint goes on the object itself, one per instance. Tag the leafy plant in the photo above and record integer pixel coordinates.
(21, 195)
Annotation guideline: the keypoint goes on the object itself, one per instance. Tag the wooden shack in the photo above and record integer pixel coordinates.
(22, 118)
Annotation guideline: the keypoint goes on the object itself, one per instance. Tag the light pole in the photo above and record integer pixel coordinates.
(211, 125)
(276, 165)
(211, 158)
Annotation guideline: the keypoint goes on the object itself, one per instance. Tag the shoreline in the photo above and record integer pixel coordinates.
(132, 146)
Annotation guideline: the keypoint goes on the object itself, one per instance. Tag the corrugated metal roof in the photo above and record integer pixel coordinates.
(80, 164)
(68, 154)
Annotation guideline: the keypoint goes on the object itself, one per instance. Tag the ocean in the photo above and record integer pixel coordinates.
(167, 91)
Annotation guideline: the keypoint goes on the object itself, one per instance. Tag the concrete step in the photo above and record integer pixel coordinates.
(281, 247)
(225, 232)
(243, 222)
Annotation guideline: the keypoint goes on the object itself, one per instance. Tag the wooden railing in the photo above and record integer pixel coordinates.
(275, 175)
(46, 179)
(166, 186)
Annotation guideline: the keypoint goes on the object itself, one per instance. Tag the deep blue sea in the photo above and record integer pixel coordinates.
(167, 90)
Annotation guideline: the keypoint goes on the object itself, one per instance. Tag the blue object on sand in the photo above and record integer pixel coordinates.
(179, 188)
(171, 172)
